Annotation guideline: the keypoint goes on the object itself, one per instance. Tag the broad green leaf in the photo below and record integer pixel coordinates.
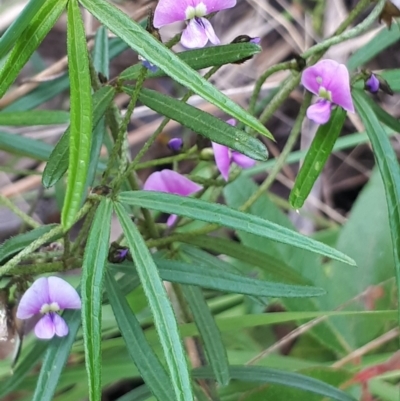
(202, 58)
(207, 277)
(389, 168)
(260, 374)
(203, 123)
(29, 40)
(152, 50)
(164, 318)
(37, 117)
(15, 244)
(141, 393)
(211, 336)
(81, 114)
(147, 362)
(55, 358)
(222, 215)
(13, 32)
(59, 158)
(93, 268)
(380, 42)
(272, 266)
(19, 145)
(317, 155)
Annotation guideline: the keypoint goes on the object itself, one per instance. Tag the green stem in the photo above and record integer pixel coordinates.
(357, 30)
(287, 65)
(56, 231)
(23, 216)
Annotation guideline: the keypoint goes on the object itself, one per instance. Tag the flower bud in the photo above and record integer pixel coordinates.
(175, 145)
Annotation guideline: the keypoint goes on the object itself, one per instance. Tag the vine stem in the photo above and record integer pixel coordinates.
(23, 216)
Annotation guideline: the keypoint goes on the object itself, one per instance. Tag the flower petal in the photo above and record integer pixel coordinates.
(242, 160)
(194, 36)
(332, 76)
(169, 11)
(63, 293)
(60, 326)
(320, 112)
(155, 182)
(216, 5)
(212, 37)
(178, 184)
(171, 220)
(34, 298)
(231, 121)
(222, 159)
(45, 328)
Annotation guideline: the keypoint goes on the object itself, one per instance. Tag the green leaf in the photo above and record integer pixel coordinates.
(389, 168)
(37, 117)
(28, 147)
(101, 55)
(55, 358)
(222, 215)
(393, 79)
(211, 336)
(59, 158)
(14, 31)
(141, 393)
(271, 265)
(207, 277)
(152, 50)
(15, 244)
(320, 149)
(203, 123)
(202, 58)
(81, 114)
(147, 362)
(164, 318)
(260, 374)
(94, 262)
(385, 38)
(29, 41)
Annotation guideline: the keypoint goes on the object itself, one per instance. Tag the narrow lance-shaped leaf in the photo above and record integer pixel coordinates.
(164, 318)
(203, 123)
(29, 41)
(389, 168)
(211, 336)
(202, 58)
(55, 358)
(94, 262)
(260, 374)
(200, 275)
(152, 50)
(59, 158)
(222, 215)
(81, 113)
(36, 117)
(13, 32)
(147, 362)
(320, 149)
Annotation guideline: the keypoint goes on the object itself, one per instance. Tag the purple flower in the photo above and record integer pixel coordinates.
(372, 84)
(224, 157)
(48, 296)
(330, 81)
(199, 30)
(171, 182)
(175, 144)
(255, 40)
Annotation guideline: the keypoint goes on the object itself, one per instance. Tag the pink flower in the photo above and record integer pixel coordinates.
(171, 182)
(224, 157)
(48, 296)
(330, 81)
(199, 30)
